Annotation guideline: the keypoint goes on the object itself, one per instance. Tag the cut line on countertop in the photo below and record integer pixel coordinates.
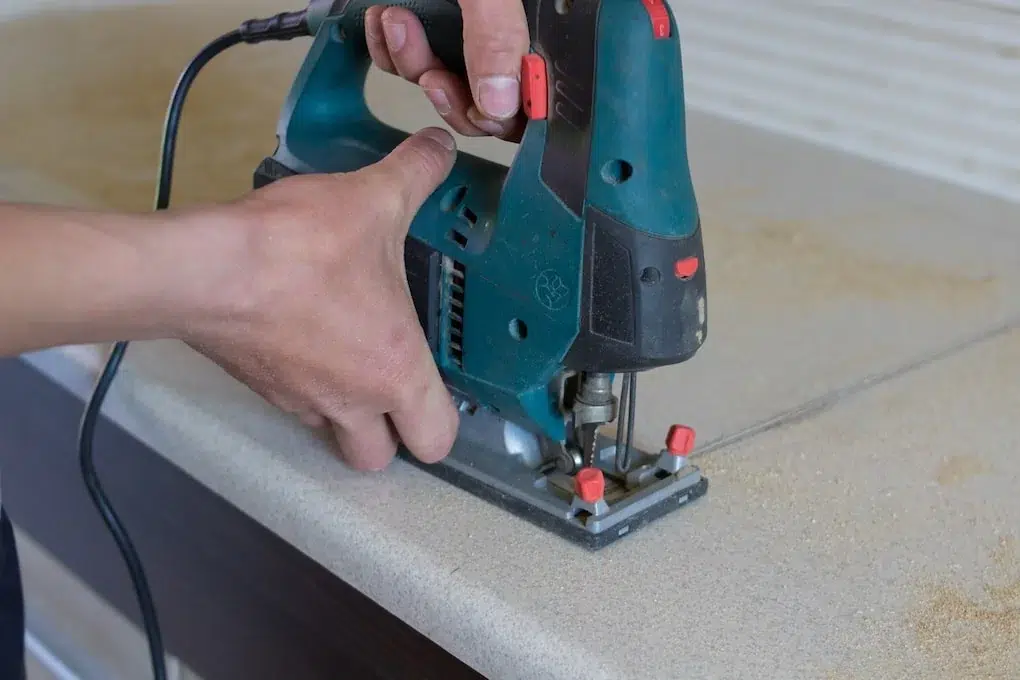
(828, 401)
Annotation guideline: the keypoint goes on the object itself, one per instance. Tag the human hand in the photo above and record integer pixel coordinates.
(327, 329)
(495, 40)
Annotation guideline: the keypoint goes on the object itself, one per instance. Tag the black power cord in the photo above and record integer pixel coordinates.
(280, 27)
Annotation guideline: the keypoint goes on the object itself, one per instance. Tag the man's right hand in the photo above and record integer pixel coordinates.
(495, 40)
(329, 332)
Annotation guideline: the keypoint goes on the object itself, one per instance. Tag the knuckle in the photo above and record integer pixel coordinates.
(499, 40)
(423, 157)
(410, 393)
(502, 49)
(399, 365)
(403, 337)
(364, 444)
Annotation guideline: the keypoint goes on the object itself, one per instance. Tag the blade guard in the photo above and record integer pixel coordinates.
(562, 262)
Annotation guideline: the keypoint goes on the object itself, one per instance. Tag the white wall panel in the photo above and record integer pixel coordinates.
(930, 85)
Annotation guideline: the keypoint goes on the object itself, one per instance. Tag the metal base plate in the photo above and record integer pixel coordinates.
(498, 462)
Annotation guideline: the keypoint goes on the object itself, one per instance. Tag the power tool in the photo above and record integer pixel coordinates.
(538, 284)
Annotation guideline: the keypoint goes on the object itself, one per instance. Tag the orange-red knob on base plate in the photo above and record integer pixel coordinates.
(680, 440)
(590, 484)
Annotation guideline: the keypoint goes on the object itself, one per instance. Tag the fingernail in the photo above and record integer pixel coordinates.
(440, 101)
(492, 127)
(445, 139)
(396, 33)
(499, 95)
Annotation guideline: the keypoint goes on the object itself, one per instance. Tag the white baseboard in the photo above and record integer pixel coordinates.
(44, 663)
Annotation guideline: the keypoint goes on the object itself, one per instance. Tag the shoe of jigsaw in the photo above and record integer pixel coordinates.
(539, 283)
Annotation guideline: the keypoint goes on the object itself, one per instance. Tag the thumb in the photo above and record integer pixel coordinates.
(495, 40)
(415, 168)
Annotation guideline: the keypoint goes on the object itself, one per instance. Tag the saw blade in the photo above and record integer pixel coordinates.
(589, 439)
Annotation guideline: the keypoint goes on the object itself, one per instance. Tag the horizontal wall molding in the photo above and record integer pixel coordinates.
(932, 86)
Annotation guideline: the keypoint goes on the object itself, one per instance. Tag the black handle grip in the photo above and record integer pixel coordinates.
(444, 26)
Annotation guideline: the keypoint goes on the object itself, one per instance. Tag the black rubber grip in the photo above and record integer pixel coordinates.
(441, 19)
(283, 26)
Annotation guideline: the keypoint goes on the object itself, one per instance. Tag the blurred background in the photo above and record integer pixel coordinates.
(925, 84)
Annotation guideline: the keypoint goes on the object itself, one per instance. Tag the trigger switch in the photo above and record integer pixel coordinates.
(534, 87)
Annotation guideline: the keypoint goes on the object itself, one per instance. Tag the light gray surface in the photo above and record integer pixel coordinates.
(925, 84)
(847, 545)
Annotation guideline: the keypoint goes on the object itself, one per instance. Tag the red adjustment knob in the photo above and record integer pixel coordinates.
(680, 440)
(590, 484)
(686, 268)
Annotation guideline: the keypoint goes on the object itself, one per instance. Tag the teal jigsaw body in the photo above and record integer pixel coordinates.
(512, 278)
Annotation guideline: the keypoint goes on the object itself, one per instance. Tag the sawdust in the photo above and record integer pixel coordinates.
(955, 469)
(725, 468)
(838, 675)
(806, 266)
(974, 636)
(1005, 555)
(84, 106)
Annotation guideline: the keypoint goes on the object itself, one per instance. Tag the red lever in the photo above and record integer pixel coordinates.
(534, 87)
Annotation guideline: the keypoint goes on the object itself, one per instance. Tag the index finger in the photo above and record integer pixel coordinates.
(495, 40)
(424, 416)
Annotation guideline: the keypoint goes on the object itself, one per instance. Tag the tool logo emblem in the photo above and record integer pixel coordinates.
(550, 291)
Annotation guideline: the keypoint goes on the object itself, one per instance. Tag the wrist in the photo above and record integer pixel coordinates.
(201, 278)
(71, 277)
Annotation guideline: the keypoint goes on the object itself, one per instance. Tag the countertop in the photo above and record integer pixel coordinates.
(856, 406)
(855, 402)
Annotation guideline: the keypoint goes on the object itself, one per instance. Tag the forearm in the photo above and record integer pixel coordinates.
(74, 277)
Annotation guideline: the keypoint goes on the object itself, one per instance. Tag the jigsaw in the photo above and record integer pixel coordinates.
(542, 284)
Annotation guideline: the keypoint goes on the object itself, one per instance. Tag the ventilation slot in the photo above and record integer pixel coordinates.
(453, 202)
(455, 313)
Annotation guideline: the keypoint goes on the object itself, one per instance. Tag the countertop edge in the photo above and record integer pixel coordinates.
(432, 609)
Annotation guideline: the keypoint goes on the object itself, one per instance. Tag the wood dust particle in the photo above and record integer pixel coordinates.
(955, 469)
(973, 637)
(798, 252)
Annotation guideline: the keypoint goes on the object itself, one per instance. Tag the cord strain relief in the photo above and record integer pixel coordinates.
(283, 26)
